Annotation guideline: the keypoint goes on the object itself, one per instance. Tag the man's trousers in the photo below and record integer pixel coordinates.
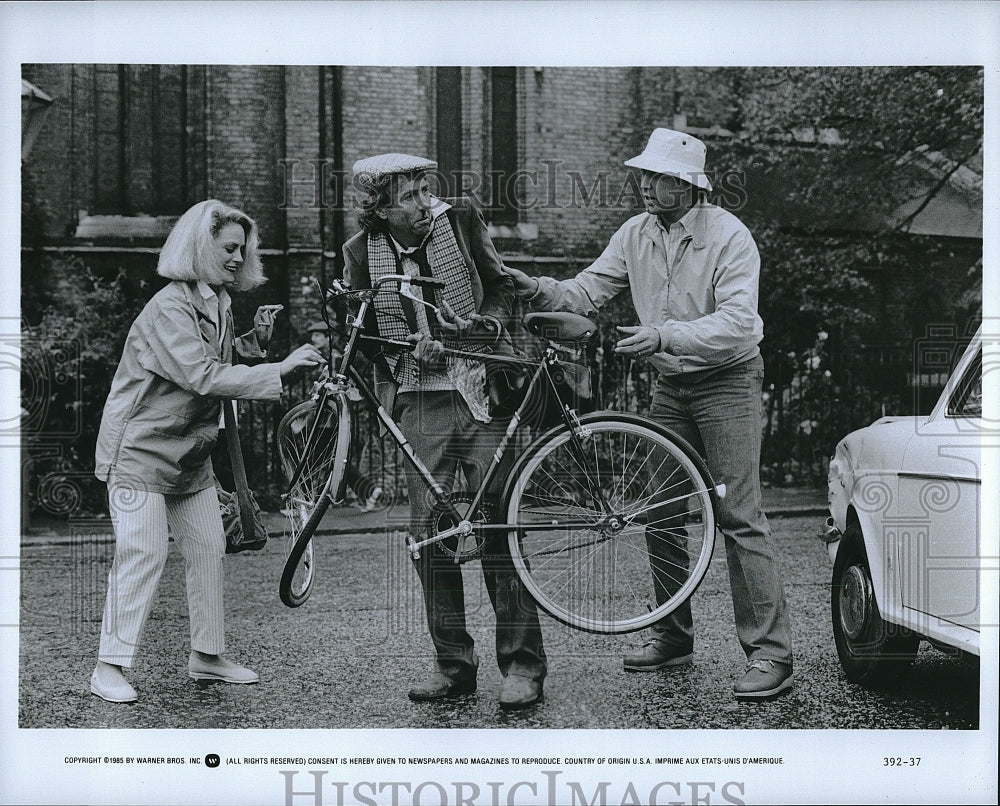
(446, 438)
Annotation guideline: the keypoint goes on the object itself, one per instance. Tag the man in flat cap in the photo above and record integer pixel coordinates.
(441, 406)
(692, 269)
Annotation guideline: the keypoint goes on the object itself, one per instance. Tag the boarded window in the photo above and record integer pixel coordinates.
(141, 139)
(504, 140)
(449, 128)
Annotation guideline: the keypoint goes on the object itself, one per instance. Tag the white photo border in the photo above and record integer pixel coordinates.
(605, 34)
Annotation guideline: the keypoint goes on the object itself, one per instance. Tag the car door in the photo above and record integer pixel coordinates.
(939, 489)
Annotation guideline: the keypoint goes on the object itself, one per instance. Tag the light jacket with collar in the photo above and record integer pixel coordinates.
(161, 418)
(702, 299)
(492, 288)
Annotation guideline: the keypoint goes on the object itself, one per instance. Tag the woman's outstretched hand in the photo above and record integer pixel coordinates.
(301, 357)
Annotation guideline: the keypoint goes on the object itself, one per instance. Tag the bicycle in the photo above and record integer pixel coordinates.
(600, 511)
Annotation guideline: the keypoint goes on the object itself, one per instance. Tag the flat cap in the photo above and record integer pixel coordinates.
(371, 172)
(317, 327)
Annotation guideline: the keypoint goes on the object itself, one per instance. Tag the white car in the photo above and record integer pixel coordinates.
(904, 531)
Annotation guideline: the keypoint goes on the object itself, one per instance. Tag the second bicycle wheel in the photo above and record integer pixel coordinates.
(308, 441)
(615, 530)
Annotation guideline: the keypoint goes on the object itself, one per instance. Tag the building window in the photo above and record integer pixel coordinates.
(503, 145)
(449, 128)
(140, 140)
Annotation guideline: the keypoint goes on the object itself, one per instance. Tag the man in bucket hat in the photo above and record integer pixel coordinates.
(692, 269)
(443, 414)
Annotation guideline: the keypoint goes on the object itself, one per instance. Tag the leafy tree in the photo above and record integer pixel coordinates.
(829, 158)
(874, 129)
(831, 155)
(69, 356)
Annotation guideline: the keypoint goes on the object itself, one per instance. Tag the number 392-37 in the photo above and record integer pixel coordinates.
(897, 761)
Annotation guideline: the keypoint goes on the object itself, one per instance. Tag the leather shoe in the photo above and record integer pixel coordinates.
(518, 691)
(763, 679)
(440, 687)
(653, 655)
(216, 667)
(108, 683)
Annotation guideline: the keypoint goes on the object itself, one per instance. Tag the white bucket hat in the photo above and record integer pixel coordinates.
(675, 154)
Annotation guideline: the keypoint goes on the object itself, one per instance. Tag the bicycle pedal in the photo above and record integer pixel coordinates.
(410, 543)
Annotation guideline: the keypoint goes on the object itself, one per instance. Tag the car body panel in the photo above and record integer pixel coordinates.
(913, 485)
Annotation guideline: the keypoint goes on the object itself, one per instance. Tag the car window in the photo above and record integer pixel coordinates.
(967, 399)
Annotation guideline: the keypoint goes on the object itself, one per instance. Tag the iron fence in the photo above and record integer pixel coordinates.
(809, 403)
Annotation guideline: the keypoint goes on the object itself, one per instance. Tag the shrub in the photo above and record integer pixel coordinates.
(69, 356)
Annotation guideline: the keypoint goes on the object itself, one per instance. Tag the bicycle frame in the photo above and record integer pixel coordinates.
(347, 374)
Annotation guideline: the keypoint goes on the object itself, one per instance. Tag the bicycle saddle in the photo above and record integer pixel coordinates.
(560, 326)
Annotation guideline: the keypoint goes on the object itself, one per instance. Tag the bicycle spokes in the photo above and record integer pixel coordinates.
(309, 443)
(619, 558)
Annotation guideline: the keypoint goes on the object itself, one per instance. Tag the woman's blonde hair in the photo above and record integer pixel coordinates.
(188, 253)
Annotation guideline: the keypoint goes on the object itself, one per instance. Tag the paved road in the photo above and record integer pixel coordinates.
(346, 658)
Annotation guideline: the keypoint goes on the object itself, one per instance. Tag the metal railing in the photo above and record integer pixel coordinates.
(804, 413)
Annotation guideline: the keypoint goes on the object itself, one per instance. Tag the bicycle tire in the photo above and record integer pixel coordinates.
(586, 570)
(299, 570)
(313, 481)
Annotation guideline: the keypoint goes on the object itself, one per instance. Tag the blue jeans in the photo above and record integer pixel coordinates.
(721, 417)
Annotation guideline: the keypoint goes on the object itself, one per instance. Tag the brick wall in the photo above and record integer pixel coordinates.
(245, 141)
(55, 177)
(384, 110)
(302, 144)
(575, 127)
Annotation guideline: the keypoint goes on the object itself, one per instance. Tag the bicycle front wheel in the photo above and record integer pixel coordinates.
(299, 571)
(615, 529)
(311, 441)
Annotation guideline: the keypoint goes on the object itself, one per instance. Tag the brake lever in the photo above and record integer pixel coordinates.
(407, 290)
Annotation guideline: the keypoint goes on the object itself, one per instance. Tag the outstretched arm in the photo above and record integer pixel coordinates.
(584, 294)
(176, 352)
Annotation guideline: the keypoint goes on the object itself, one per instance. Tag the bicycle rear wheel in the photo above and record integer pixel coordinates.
(613, 532)
(310, 443)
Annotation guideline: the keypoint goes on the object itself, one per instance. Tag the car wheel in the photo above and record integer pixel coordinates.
(870, 650)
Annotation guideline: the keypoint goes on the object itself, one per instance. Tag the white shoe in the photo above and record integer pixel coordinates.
(373, 500)
(219, 668)
(108, 683)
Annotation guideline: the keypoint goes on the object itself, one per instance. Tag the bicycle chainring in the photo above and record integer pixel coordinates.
(473, 544)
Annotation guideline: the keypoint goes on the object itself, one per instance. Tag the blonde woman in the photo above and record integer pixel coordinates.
(160, 424)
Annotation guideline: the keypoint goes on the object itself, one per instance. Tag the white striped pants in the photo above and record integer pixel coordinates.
(141, 520)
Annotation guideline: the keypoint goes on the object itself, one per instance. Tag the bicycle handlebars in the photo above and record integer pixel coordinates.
(579, 328)
(420, 281)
